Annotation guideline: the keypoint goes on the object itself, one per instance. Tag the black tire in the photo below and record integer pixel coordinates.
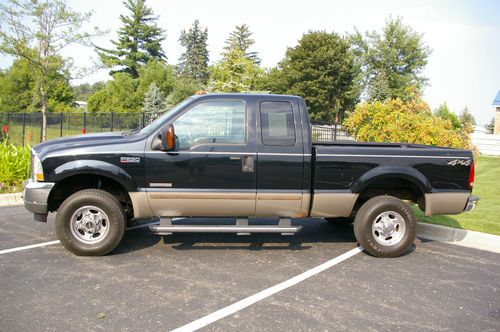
(401, 219)
(106, 208)
(340, 220)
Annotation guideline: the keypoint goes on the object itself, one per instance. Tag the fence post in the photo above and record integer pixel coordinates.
(335, 132)
(142, 120)
(112, 115)
(24, 126)
(84, 129)
(61, 120)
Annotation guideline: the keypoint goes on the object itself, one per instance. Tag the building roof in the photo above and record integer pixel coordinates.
(496, 101)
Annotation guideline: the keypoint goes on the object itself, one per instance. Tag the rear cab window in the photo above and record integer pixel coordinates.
(277, 122)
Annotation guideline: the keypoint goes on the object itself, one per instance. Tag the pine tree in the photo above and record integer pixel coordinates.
(490, 127)
(139, 40)
(194, 61)
(240, 38)
(154, 102)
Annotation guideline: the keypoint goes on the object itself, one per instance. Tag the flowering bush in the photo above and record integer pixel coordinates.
(409, 121)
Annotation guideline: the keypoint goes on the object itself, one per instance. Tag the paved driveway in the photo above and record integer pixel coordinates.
(162, 283)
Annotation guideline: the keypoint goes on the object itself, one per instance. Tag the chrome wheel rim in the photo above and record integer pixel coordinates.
(89, 224)
(388, 228)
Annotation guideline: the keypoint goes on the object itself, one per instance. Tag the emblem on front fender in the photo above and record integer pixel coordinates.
(461, 162)
(130, 160)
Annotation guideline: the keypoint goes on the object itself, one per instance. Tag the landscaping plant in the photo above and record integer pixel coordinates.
(14, 166)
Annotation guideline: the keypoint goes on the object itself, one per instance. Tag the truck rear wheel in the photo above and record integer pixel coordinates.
(385, 226)
(90, 222)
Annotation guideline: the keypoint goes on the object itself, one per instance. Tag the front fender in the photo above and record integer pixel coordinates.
(392, 172)
(95, 167)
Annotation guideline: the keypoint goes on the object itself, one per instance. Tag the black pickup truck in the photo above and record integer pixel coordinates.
(240, 155)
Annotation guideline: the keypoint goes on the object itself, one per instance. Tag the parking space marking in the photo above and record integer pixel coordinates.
(43, 244)
(237, 306)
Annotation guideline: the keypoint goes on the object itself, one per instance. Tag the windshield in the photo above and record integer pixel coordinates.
(162, 119)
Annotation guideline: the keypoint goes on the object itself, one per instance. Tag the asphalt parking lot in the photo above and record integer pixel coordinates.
(162, 283)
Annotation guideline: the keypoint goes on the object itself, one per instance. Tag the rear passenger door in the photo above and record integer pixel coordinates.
(280, 159)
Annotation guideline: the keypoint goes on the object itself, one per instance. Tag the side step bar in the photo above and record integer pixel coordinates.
(241, 228)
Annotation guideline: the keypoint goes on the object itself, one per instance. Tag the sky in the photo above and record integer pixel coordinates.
(463, 69)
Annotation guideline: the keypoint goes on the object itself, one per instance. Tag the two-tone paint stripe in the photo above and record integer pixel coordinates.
(229, 153)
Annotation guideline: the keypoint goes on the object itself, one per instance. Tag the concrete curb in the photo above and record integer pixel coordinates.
(11, 199)
(461, 237)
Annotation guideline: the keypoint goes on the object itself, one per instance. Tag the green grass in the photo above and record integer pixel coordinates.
(32, 133)
(486, 216)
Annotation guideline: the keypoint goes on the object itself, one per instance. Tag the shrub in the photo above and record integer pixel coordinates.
(14, 166)
(409, 121)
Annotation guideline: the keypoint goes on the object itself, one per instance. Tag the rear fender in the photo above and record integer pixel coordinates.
(392, 172)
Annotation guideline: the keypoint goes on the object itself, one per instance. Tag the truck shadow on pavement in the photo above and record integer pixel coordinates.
(313, 231)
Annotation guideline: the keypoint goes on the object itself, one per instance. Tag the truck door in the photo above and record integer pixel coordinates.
(212, 170)
(280, 156)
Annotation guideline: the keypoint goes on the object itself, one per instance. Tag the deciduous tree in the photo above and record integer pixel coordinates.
(444, 113)
(37, 31)
(322, 69)
(234, 73)
(392, 61)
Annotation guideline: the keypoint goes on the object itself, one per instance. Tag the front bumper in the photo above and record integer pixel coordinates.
(471, 203)
(35, 196)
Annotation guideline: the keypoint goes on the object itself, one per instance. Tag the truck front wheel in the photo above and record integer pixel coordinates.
(90, 222)
(385, 226)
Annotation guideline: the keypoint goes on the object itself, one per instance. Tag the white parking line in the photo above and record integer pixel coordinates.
(231, 309)
(43, 244)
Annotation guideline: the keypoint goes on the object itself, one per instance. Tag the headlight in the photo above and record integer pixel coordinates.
(36, 168)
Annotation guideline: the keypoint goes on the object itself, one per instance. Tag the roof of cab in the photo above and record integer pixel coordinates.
(244, 95)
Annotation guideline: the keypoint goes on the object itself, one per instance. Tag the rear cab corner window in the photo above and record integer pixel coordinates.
(277, 123)
(212, 122)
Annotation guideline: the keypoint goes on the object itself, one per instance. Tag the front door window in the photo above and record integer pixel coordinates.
(212, 122)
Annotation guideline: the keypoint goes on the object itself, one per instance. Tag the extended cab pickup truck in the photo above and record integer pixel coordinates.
(240, 155)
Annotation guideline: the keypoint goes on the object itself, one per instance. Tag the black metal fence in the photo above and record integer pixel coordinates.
(26, 128)
(324, 132)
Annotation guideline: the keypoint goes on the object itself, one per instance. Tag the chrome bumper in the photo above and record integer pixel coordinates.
(35, 196)
(471, 203)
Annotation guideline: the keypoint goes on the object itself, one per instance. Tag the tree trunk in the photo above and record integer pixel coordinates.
(44, 118)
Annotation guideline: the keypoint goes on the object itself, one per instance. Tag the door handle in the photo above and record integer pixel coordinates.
(248, 164)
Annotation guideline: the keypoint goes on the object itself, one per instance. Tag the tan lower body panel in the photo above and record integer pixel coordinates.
(141, 206)
(202, 204)
(220, 204)
(333, 204)
(276, 204)
(445, 203)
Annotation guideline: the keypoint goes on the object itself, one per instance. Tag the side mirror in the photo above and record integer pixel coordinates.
(168, 138)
